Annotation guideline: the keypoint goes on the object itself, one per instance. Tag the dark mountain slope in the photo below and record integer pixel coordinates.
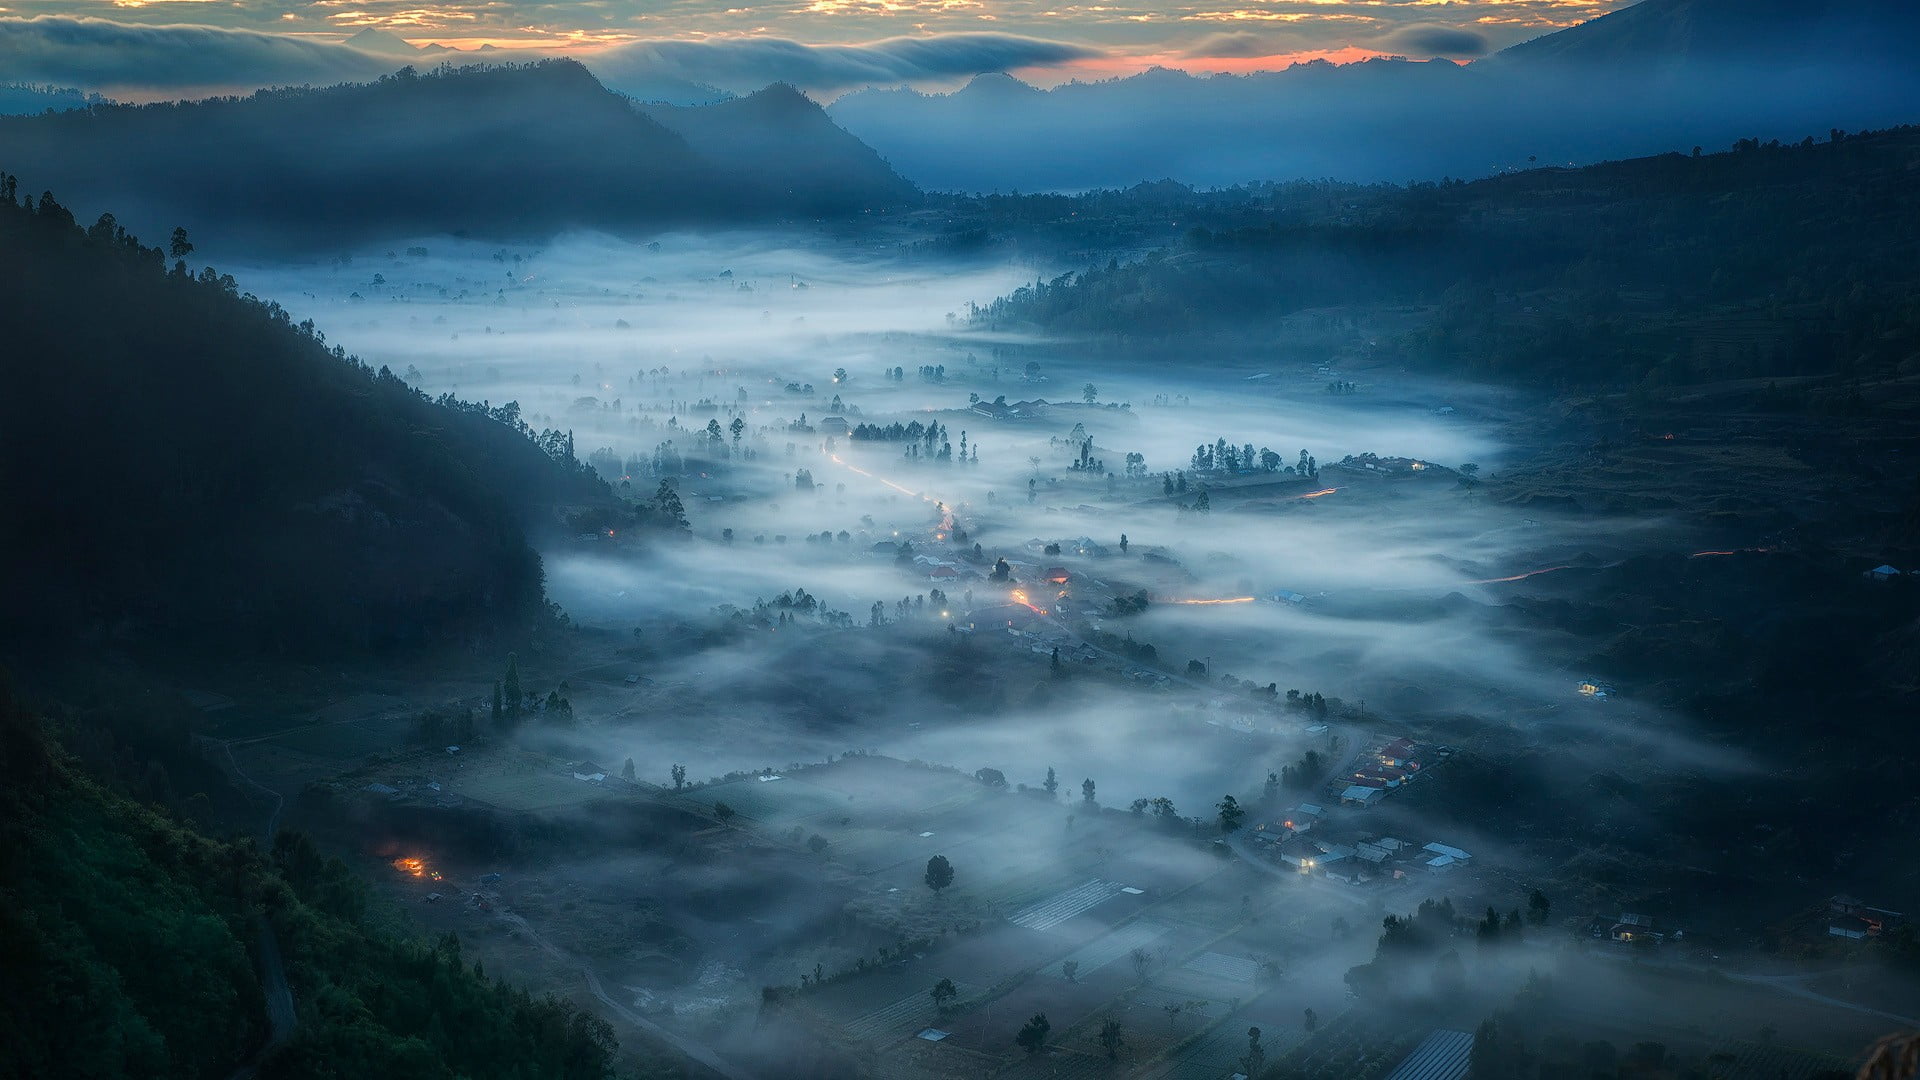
(127, 941)
(184, 465)
(784, 140)
(1766, 261)
(1676, 35)
(506, 151)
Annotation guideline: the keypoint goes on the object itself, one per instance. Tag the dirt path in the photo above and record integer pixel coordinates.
(694, 1051)
(282, 1018)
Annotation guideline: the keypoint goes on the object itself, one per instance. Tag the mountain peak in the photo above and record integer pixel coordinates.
(998, 83)
(381, 43)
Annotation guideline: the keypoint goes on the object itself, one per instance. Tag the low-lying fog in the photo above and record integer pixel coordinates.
(1342, 583)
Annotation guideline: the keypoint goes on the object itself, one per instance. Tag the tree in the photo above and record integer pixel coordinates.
(817, 844)
(1255, 1058)
(179, 247)
(1052, 782)
(1110, 1038)
(1089, 393)
(1539, 908)
(1230, 814)
(1142, 962)
(513, 690)
(1123, 543)
(1311, 1021)
(1202, 504)
(939, 873)
(991, 777)
(666, 503)
(1070, 970)
(1033, 1034)
(679, 773)
(1086, 790)
(944, 993)
(723, 812)
(626, 771)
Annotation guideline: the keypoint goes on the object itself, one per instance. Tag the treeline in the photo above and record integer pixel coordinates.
(187, 465)
(1767, 260)
(128, 948)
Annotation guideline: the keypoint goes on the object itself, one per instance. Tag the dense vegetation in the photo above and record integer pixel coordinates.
(186, 464)
(128, 947)
(499, 151)
(1764, 261)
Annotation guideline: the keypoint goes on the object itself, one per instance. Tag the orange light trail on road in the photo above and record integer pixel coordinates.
(1019, 596)
(835, 458)
(1317, 494)
(1230, 600)
(1519, 577)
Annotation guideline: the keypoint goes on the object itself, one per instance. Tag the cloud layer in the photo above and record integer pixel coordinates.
(747, 63)
(99, 54)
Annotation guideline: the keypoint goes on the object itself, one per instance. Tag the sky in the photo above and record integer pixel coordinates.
(162, 45)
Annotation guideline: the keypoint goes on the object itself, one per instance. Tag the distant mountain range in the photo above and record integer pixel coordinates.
(1661, 75)
(504, 151)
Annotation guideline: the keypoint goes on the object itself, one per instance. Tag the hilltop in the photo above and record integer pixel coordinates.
(507, 151)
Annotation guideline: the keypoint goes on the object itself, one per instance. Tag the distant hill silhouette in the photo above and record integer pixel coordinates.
(185, 466)
(502, 151)
(820, 168)
(1662, 75)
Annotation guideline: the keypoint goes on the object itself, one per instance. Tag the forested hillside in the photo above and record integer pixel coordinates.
(128, 947)
(187, 466)
(1767, 260)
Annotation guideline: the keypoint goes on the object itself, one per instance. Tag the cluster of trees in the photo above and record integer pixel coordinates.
(1224, 457)
(1301, 775)
(1309, 703)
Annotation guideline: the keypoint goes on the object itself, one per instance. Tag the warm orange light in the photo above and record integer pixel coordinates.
(1317, 494)
(1230, 600)
(411, 866)
(1519, 577)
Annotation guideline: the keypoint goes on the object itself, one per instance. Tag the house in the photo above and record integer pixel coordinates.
(1391, 776)
(835, 425)
(1849, 918)
(1443, 1055)
(1399, 754)
(1356, 795)
(1299, 854)
(1056, 574)
(943, 573)
(1372, 854)
(1441, 863)
(1453, 853)
(1630, 927)
(1881, 573)
(1366, 782)
(1284, 596)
